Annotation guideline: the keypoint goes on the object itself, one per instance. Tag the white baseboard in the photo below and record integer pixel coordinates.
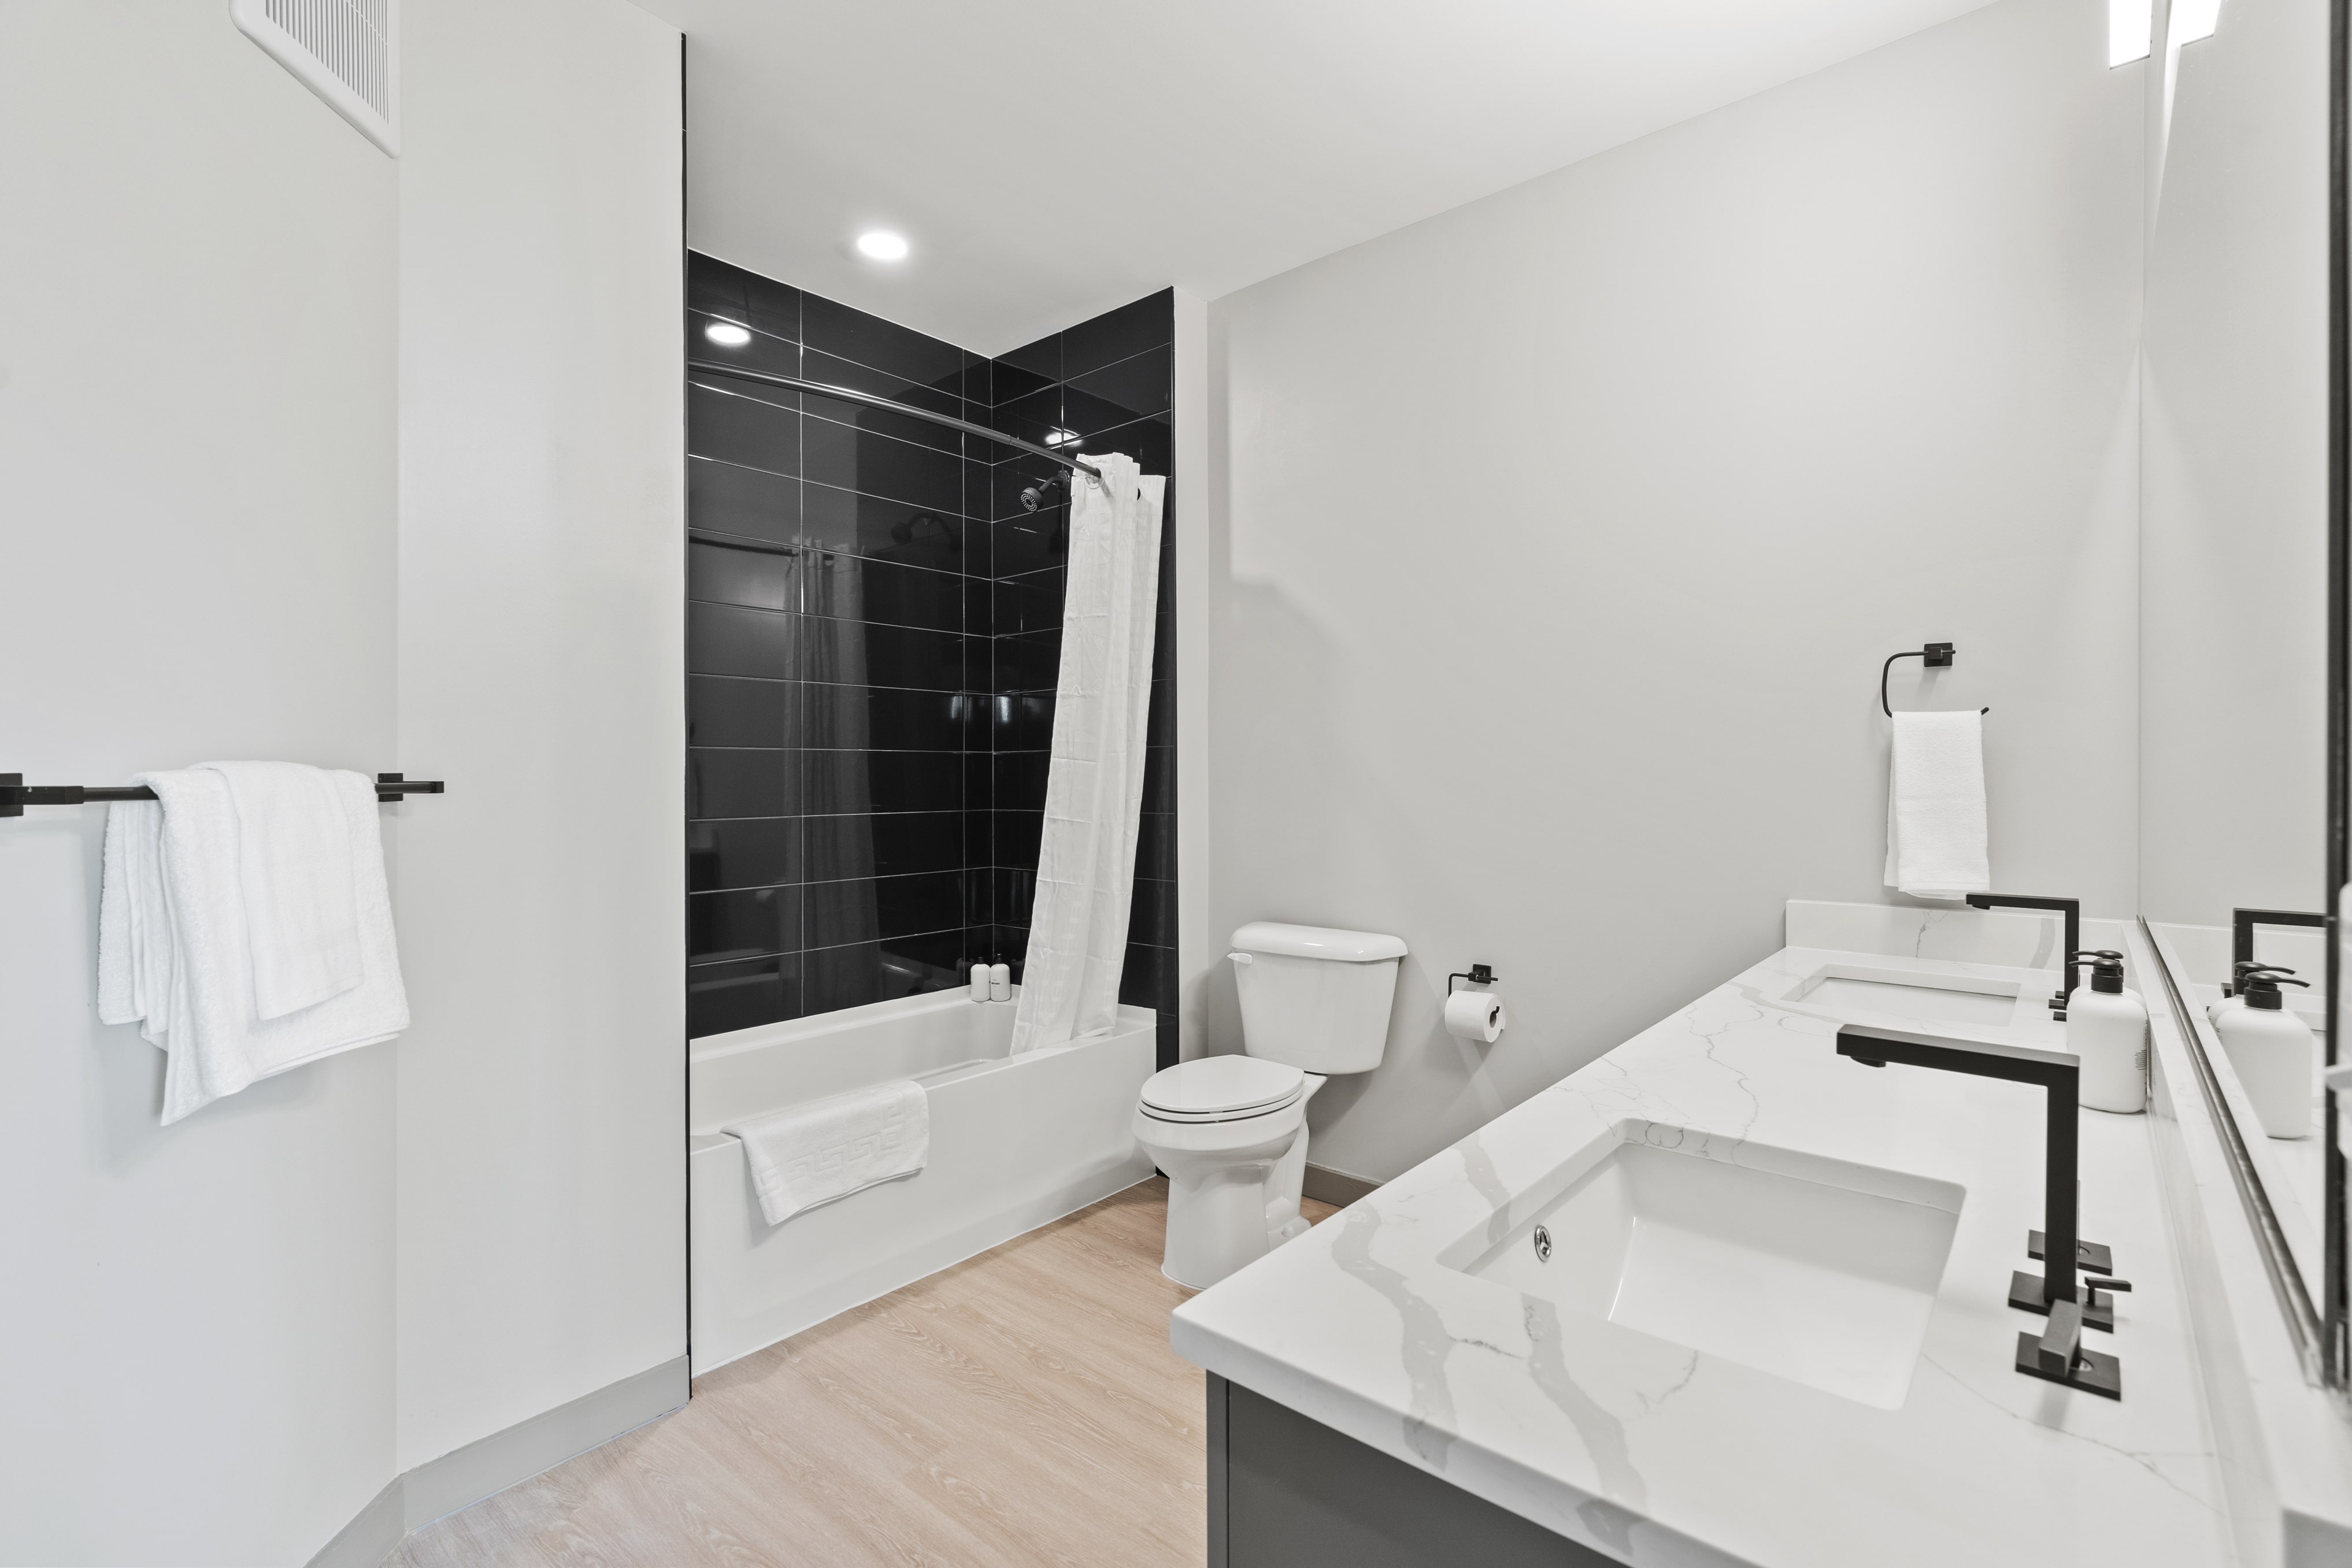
(373, 1534)
(487, 1466)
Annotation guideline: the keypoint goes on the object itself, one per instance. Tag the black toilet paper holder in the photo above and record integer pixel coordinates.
(1477, 975)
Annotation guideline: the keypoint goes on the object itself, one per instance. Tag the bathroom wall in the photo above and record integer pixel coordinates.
(541, 553)
(874, 639)
(1563, 534)
(2234, 477)
(197, 467)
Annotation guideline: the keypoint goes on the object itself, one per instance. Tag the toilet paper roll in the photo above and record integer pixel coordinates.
(1474, 1016)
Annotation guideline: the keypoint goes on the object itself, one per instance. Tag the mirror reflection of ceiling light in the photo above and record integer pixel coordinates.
(727, 334)
(882, 245)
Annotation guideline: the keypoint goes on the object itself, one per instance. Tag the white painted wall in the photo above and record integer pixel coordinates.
(198, 369)
(1562, 535)
(2234, 477)
(541, 671)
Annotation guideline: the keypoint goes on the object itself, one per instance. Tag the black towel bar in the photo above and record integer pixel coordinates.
(16, 794)
(1935, 656)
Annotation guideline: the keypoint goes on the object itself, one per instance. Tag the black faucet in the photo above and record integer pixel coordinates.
(2056, 1291)
(2070, 908)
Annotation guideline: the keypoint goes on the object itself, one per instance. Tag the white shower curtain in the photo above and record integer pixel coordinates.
(1094, 789)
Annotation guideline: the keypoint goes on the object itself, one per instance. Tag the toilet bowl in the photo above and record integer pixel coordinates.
(1230, 1130)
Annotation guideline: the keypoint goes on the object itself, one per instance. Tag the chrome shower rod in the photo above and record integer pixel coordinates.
(850, 395)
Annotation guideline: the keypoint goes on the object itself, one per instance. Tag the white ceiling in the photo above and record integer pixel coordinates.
(1050, 159)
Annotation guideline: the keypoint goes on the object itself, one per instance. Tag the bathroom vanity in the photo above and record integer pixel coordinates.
(1725, 1297)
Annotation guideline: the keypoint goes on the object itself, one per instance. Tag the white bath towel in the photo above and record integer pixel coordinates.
(294, 869)
(813, 1153)
(176, 942)
(1936, 837)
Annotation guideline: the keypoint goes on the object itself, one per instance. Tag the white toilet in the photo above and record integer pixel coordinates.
(1231, 1131)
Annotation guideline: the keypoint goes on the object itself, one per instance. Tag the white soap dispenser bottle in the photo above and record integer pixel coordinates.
(2106, 1026)
(2274, 1051)
(2236, 995)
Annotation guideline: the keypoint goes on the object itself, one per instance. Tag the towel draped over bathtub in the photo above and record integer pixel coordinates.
(814, 1152)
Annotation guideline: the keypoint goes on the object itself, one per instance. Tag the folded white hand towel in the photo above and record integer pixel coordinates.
(176, 946)
(1935, 836)
(813, 1153)
(294, 870)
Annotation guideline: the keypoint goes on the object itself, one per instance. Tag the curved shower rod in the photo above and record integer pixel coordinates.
(850, 395)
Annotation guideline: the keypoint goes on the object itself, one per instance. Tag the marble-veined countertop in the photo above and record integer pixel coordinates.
(1657, 1454)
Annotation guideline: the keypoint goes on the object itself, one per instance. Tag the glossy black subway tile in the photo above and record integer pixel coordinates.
(750, 852)
(729, 710)
(1029, 603)
(1032, 417)
(846, 373)
(925, 721)
(1038, 363)
(904, 656)
(1016, 835)
(837, 330)
(1150, 912)
(750, 503)
(1025, 540)
(861, 588)
(722, 997)
(881, 971)
(1133, 389)
(728, 639)
(725, 783)
(755, 350)
(1151, 442)
(1020, 779)
(747, 923)
(739, 429)
(853, 459)
(842, 782)
(1022, 723)
(1027, 661)
(1149, 978)
(755, 575)
(1145, 323)
(906, 843)
(905, 532)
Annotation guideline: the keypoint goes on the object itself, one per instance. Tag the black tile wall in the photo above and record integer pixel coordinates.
(873, 633)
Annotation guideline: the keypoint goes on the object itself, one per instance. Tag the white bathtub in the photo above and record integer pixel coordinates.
(1016, 1141)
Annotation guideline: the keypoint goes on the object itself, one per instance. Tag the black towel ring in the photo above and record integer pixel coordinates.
(1934, 656)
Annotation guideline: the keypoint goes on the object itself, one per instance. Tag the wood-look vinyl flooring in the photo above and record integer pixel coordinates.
(1020, 1408)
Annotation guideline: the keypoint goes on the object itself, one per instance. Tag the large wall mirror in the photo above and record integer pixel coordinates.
(2237, 516)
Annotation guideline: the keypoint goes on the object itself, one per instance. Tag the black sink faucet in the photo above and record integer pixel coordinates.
(2059, 1074)
(2072, 909)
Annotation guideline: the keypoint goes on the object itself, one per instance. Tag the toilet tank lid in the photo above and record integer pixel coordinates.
(1318, 942)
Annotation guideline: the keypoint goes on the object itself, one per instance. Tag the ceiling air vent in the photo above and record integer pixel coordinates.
(346, 51)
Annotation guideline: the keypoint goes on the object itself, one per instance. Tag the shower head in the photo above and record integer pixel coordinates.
(1035, 495)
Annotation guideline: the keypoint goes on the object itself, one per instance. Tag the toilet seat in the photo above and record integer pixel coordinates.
(1221, 1089)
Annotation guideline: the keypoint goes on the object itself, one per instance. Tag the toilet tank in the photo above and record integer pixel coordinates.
(1315, 997)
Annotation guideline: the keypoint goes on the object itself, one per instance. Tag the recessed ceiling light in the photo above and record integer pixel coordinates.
(727, 334)
(882, 245)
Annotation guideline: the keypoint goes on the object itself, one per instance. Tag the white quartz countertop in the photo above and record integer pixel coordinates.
(1655, 1454)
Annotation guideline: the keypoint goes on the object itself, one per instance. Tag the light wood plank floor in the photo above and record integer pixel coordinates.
(1020, 1408)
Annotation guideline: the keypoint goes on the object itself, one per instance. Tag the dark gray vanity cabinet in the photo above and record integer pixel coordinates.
(1286, 1491)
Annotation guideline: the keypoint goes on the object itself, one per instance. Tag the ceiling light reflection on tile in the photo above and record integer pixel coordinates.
(727, 334)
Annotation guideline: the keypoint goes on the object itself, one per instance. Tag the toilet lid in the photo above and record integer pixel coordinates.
(1222, 1086)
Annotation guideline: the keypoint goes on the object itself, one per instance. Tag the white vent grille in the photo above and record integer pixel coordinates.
(346, 51)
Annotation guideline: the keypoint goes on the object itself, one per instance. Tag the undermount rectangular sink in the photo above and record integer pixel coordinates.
(1813, 1269)
(1909, 994)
